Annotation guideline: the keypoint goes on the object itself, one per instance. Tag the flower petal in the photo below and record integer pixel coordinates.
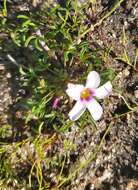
(74, 90)
(93, 80)
(104, 90)
(77, 110)
(95, 109)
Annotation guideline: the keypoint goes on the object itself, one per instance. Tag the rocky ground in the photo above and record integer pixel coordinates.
(116, 167)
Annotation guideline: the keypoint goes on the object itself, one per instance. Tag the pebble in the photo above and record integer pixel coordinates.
(8, 75)
(136, 93)
(126, 72)
(2, 67)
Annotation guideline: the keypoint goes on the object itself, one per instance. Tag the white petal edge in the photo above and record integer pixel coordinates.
(74, 90)
(78, 109)
(93, 80)
(95, 109)
(104, 90)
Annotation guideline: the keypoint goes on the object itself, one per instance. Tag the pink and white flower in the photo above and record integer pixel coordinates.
(86, 96)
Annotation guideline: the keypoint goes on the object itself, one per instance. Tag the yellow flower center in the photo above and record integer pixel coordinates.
(86, 94)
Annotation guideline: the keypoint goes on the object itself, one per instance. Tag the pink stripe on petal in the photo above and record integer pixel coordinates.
(78, 109)
(104, 90)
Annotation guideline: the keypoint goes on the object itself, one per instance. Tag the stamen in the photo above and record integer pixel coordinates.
(86, 94)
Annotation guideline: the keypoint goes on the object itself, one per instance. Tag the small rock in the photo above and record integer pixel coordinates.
(8, 75)
(126, 72)
(136, 93)
(2, 67)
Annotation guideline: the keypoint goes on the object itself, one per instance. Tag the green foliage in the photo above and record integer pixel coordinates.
(6, 131)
